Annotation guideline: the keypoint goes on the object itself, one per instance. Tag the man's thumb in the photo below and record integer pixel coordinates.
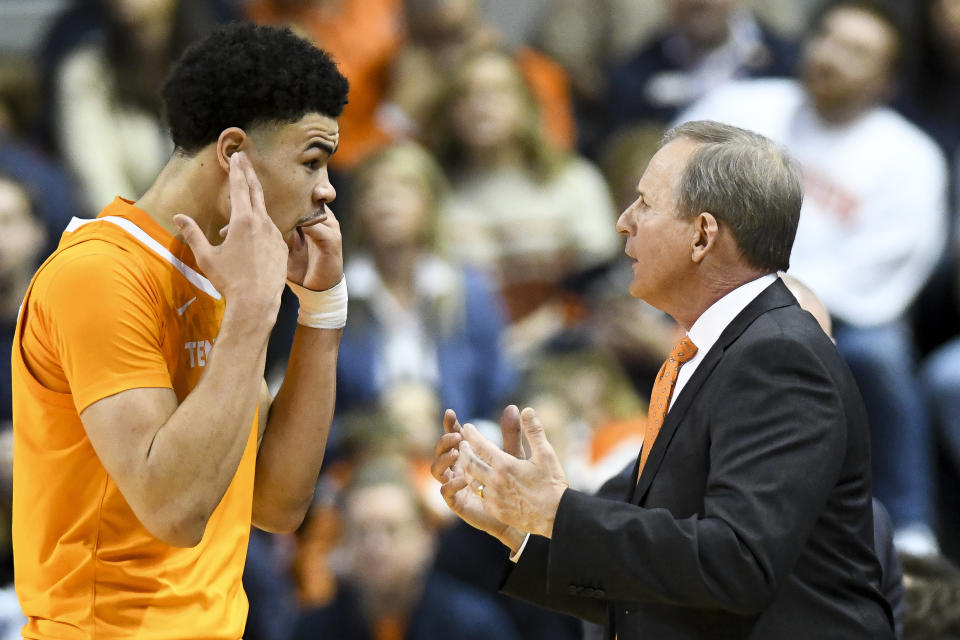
(191, 233)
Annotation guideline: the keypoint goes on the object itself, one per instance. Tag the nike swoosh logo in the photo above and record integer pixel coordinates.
(182, 309)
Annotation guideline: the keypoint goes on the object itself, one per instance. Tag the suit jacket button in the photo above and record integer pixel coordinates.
(572, 590)
(588, 592)
(600, 593)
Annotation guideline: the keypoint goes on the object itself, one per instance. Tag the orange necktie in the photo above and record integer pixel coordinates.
(662, 392)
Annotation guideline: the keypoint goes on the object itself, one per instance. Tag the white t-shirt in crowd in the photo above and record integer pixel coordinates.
(874, 217)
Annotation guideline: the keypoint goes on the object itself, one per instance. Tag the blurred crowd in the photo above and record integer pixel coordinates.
(487, 150)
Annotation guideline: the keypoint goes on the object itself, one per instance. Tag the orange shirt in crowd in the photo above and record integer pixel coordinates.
(550, 86)
(363, 37)
(118, 306)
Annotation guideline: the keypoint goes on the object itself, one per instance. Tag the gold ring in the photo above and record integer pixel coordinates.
(479, 491)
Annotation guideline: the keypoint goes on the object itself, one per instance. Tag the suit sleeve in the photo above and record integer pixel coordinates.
(777, 442)
(527, 581)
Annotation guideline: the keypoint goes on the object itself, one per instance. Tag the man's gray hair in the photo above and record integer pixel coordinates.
(747, 182)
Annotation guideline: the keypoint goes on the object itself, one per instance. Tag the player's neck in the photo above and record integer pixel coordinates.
(187, 185)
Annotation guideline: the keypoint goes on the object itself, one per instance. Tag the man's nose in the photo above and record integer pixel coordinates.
(323, 191)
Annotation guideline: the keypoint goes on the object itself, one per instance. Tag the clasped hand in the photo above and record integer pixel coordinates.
(520, 492)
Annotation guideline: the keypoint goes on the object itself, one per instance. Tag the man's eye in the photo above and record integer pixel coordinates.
(313, 165)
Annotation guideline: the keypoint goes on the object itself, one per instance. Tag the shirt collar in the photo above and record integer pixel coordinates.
(707, 329)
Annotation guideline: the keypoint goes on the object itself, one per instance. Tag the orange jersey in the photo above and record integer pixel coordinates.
(120, 305)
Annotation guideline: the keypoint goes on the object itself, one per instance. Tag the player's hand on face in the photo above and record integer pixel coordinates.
(250, 265)
(316, 254)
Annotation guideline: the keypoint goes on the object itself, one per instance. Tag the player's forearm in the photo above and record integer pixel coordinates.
(194, 457)
(293, 445)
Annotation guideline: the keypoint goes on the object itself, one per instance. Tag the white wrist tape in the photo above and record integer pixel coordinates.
(322, 309)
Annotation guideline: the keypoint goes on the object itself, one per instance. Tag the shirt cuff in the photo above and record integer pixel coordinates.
(514, 557)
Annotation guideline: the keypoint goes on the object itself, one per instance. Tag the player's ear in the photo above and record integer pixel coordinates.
(231, 140)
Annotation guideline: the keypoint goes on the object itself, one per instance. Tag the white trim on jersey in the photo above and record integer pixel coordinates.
(195, 278)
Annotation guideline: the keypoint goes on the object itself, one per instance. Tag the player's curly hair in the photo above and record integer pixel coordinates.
(242, 75)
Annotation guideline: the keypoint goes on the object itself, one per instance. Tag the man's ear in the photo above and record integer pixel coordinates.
(230, 141)
(705, 235)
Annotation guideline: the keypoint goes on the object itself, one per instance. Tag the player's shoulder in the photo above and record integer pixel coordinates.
(112, 243)
(89, 270)
(94, 253)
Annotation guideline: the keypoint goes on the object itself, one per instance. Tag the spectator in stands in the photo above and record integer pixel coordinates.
(940, 373)
(80, 21)
(931, 98)
(45, 182)
(582, 36)
(930, 94)
(22, 239)
(11, 616)
(872, 227)
(414, 315)
(106, 96)
(441, 33)
(809, 302)
(705, 44)
(528, 214)
(387, 589)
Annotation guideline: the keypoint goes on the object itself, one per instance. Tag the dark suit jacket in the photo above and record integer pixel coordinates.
(752, 518)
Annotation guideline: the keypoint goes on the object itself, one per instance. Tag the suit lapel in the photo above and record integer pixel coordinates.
(773, 297)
